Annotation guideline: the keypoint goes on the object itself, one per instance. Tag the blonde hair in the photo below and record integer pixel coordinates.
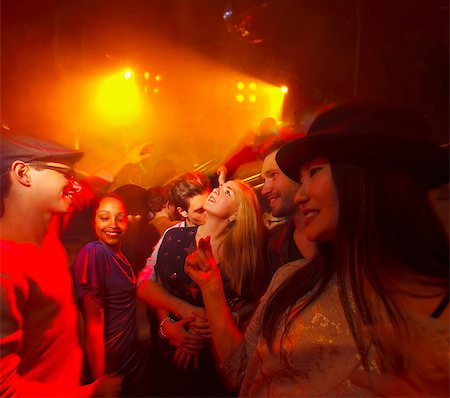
(241, 259)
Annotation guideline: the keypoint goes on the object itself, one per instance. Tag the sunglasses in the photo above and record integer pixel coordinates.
(67, 172)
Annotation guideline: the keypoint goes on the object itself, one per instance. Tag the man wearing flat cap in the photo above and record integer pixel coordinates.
(40, 351)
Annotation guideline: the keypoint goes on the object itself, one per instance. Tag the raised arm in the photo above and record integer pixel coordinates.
(135, 155)
(222, 174)
(202, 268)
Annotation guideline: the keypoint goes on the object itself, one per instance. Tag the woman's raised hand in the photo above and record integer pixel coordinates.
(222, 174)
(201, 266)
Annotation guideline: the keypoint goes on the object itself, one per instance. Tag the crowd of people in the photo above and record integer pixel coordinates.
(183, 290)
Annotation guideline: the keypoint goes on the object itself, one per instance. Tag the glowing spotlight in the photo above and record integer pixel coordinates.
(146, 75)
(156, 90)
(270, 99)
(240, 98)
(284, 89)
(117, 99)
(227, 14)
(158, 78)
(252, 98)
(252, 86)
(240, 85)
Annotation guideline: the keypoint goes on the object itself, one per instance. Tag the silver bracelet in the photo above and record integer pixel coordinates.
(160, 331)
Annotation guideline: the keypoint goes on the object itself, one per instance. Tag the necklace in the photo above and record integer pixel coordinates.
(120, 259)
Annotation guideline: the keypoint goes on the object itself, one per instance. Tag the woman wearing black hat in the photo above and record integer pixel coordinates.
(369, 315)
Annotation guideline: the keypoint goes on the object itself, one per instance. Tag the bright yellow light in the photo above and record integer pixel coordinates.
(240, 86)
(158, 78)
(156, 90)
(284, 89)
(146, 75)
(270, 98)
(240, 98)
(252, 98)
(252, 86)
(117, 99)
(128, 74)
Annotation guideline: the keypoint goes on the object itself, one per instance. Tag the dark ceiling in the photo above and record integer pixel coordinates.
(326, 49)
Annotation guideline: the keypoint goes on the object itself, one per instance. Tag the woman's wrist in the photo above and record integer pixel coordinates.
(184, 309)
(161, 327)
(213, 292)
(212, 288)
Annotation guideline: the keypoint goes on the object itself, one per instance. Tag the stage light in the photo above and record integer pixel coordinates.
(156, 90)
(227, 14)
(240, 85)
(240, 98)
(146, 75)
(284, 89)
(252, 86)
(158, 78)
(117, 99)
(252, 98)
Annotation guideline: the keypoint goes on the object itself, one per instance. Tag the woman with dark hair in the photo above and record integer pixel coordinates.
(369, 315)
(106, 289)
(135, 243)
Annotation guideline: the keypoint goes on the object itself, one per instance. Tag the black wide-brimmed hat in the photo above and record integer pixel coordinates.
(366, 133)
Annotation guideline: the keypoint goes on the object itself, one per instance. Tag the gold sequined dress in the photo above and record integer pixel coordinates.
(318, 355)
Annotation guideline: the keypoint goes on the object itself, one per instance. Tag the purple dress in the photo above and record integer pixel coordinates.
(110, 279)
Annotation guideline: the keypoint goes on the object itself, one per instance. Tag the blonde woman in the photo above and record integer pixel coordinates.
(234, 232)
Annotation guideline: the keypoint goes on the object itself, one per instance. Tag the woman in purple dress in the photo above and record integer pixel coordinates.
(105, 285)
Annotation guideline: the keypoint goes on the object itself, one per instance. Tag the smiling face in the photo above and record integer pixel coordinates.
(55, 184)
(279, 189)
(318, 200)
(111, 222)
(222, 201)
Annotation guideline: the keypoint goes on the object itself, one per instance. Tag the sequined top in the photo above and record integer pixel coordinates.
(177, 244)
(318, 354)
